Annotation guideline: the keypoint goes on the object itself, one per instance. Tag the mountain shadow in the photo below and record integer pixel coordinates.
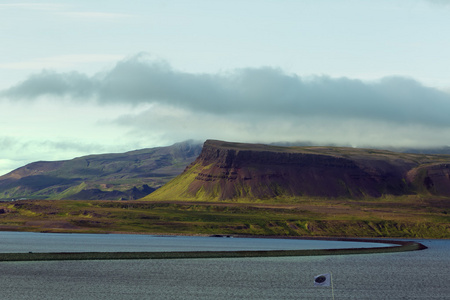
(225, 171)
(126, 176)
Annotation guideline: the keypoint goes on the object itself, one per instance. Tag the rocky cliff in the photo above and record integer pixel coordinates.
(226, 170)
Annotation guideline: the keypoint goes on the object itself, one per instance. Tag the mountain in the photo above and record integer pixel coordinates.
(129, 175)
(426, 150)
(227, 170)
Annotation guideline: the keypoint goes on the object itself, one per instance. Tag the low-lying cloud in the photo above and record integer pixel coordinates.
(52, 83)
(253, 104)
(253, 91)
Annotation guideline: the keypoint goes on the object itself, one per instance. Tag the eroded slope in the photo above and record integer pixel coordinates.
(254, 171)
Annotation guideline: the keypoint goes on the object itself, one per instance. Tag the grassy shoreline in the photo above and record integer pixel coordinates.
(390, 217)
(300, 219)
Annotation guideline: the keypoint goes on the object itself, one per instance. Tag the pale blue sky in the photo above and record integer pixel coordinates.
(357, 39)
(81, 77)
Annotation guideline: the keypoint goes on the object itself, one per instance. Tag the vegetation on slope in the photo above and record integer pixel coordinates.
(275, 191)
(130, 175)
(406, 216)
(237, 171)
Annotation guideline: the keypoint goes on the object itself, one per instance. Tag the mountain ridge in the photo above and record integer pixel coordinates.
(226, 170)
(126, 175)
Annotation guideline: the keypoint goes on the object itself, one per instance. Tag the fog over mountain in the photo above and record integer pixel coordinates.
(261, 92)
(103, 78)
(255, 103)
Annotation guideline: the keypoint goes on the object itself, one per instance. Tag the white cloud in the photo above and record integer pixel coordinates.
(262, 92)
(439, 3)
(168, 125)
(146, 103)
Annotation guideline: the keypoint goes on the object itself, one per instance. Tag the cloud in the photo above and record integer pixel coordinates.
(169, 125)
(54, 84)
(439, 3)
(250, 92)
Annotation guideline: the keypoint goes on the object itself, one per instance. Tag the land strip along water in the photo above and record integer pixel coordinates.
(18, 246)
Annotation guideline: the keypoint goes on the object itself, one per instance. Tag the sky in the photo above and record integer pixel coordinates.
(84, 77)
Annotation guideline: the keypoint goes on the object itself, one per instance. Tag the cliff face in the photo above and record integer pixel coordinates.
(231, 170)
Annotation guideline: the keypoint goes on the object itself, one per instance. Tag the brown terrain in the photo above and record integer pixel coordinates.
(251, 189)
(112, 176)
(227, 170)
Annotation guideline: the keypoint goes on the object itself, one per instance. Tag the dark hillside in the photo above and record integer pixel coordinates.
(254, 171)
(129, 175)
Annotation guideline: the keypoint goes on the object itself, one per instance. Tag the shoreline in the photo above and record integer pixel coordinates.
(381, 239)
(402, 246)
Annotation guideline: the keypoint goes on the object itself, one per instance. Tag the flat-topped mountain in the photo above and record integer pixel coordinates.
(227, 170)
(129, 175)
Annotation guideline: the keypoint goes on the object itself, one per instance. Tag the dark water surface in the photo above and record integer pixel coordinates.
(407, 275)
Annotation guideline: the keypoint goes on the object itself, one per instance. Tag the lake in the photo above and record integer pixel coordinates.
(66, 242)
(405, 275)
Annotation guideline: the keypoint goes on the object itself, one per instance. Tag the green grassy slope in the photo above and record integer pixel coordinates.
(254, 171)
(406, 216)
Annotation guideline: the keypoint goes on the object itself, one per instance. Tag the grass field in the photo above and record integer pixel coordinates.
(405, 216)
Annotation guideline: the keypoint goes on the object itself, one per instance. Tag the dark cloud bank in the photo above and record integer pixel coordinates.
(251, 92)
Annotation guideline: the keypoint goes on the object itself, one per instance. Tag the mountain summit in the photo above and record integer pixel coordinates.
(227, 170)
(129, 175)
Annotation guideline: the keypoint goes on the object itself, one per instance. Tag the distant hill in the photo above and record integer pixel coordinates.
(129, 175)
(426, 150)
(227, 170)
